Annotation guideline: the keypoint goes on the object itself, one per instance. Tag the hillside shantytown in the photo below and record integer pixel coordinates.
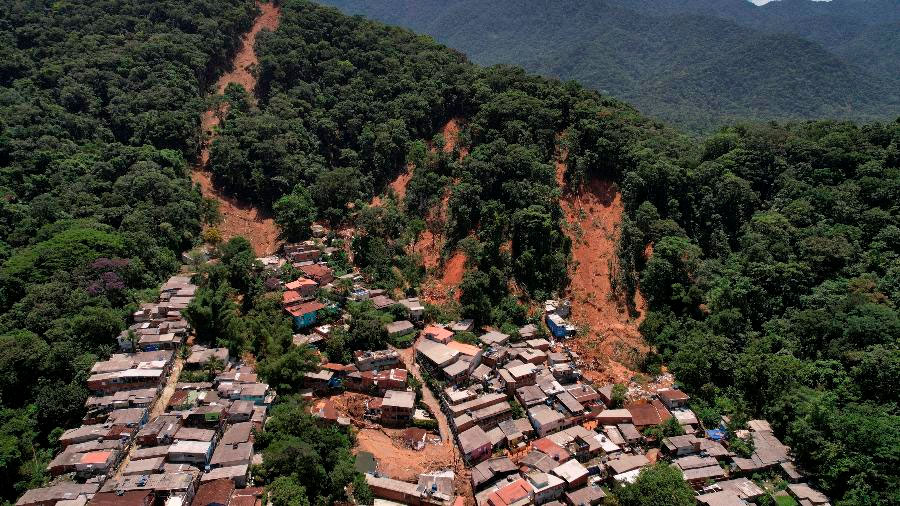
(173, 423)
(148, 435)
(263, 252)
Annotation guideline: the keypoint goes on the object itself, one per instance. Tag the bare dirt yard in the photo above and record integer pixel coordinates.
(239, 218)
(612, 344)
(398, 461)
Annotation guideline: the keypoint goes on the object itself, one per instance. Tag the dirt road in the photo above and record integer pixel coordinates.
(239, 218)
(408, 357)
(462, 479)
(159, 408)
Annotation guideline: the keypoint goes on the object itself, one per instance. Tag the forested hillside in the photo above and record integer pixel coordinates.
(773, 288)
(773, 281)
(768, 254)
(99, 110)
(345, 103)
(696, 63)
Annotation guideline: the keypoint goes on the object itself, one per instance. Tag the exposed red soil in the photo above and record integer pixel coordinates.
(442, 281)
(612, 344)
(394, 458)
(429, 246)
(239, 218)
(451, 137)
(440, 290)
(450, 131)
(398, 461)
(245, 59)
(454, 269)
(397, 186)
(351, 405)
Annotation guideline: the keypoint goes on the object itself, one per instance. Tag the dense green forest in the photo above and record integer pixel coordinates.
(99, 111)
(695, 63)
(772, 287)
(344, 104)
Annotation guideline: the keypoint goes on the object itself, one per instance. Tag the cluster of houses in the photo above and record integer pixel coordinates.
(147, 439)
(299, 296)
(381, 374)
(529, 427)
(534, 431)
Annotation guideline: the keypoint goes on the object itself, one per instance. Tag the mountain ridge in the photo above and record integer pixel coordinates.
(647, 52)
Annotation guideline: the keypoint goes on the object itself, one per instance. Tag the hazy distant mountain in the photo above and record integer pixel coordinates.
(697, 63)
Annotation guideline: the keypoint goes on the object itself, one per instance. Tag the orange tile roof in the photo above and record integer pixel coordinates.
(673, 395)
(552, 449)
(643, 414)
(303, 309)
(465, 349)
(315, 270)
(439, 333)
(661, 410)
(297, 283)
(95, 457)
(214, 492)
(652, 413)
(333, 366)
(289, 297)
(515, 491)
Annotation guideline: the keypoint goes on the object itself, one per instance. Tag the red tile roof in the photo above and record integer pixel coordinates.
(673, 395)
(440, 334)
(243, 500)
(465, 349)
(661, 410)
(99, 457)
(130, 498)
(289, 297)
(302, 309)
(645, 414)
(214, 492)
(556, 452)
(296, 284)
(315, 270)
(515, 491)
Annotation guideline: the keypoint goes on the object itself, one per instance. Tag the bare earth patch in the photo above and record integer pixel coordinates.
(611, 345)
(396, 460)
(397, 186)
(239, 218)
(442, 281)
(451, 137)
(245, 58)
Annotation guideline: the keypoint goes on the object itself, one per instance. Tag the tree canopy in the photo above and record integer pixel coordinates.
(99, 116)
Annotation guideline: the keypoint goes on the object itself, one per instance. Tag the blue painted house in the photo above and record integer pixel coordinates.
(255, 393)
(305, 314)
(558, 326)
